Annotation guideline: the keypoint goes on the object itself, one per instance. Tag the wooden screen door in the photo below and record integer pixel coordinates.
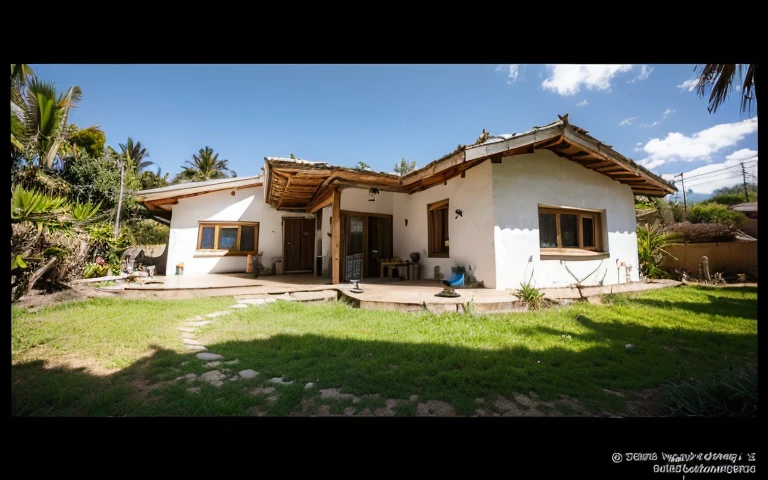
(298, 244)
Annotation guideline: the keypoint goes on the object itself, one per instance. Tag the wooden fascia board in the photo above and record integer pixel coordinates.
(323, 199)
(584, 143)
(482, 151)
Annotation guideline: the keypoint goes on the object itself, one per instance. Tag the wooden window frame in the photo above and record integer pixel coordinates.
(598, 250)
(234, 252)
(430, 208)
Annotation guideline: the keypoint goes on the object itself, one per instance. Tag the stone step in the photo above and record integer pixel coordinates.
(190, 341)
(196, 348)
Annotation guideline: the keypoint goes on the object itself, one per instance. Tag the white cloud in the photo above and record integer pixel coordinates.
(677, 147)
(639, 143)
(513, 72)
(626, 121)
(568, 79)
(582, 103)
(717, 177)
(645, 72)
(664, 115)
(689, 84)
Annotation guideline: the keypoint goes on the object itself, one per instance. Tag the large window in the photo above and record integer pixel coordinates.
(437, 216)
(231, 238)
(571, 229)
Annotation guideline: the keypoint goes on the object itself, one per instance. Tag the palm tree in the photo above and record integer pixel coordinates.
(150, 179)
(362, 166)
(20, 72)
(136, 153)
(720, 77)
(205, 166)
(404, 167)
(41, 119)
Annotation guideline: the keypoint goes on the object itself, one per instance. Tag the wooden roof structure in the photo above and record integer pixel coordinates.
(160, 201)
(299, 185)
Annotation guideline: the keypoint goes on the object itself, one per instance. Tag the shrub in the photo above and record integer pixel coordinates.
(732, 393)
(715, 213)
(530, 295)
(700, 232)
(145, 232)
(727, 199)
(651, 242)
(677, 212)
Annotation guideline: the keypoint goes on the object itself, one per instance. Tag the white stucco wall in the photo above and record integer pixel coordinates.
(326, 240)
(356, 200)
(246, 205)
(471, 235)
(521, 183)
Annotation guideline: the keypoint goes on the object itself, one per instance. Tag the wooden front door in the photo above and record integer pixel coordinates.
(298, 244)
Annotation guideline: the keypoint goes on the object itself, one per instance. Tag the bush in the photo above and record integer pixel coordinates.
(677, 212)
(701, 232)
(651, 242)
(530, 295)
(732, 393)
(715, 213)
(145, 232)
(727, 199)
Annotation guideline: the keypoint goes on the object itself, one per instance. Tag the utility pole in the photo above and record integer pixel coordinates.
(685, 203)
(744, 176)
(120, 198)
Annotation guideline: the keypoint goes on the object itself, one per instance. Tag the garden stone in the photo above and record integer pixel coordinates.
(628, 346)
(196, 348)
(246, 374)
(280, 381)
(186, 329)
(193, 389)
(191, 341)
(209, 356)
(218, 314)
(232, 362)
(214, 377)
(198, 324)
(188, 335)
(238, 305)
(212, 364)
(309, 385)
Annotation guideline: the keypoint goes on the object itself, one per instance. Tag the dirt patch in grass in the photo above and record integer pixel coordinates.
(37, 299)
(87, 365)
(646, 403)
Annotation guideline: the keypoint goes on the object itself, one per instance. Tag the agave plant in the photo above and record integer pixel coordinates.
(650, 250)
(37, 208)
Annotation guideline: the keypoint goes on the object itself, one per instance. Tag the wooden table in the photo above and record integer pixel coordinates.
(394, 264)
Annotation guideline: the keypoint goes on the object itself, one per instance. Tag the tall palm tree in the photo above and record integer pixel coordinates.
(721, 76)
(137, 154)
(42, 119)
(205, 166)
(20, 72)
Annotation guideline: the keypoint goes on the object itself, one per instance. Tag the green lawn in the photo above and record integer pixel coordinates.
(120, 357)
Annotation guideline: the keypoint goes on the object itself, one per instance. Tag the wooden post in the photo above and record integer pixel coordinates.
(336, 236)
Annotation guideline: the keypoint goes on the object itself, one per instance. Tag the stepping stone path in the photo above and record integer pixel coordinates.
(209, 356)
(246, 374)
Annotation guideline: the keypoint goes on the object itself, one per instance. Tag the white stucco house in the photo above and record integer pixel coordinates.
(550, 205)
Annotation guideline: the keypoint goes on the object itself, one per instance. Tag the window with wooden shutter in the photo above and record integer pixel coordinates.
(438, 238)
(228, 238)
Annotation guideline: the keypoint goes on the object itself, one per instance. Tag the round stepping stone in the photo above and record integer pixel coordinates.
(246, 374)
(195, 348)
(187, 335)
(214, 377)
(190, 376)
(191, 341)
(212, 364)
(232, 362)
(238, 305)
(218, 314)
(309, 385)
(209, 356)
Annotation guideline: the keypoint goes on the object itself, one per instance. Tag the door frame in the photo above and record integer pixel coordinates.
(312, 236)
(343, 245)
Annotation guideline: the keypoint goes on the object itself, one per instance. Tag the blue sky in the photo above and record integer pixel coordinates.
(379, 114)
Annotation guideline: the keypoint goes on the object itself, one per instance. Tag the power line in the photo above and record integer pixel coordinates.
(716, 171)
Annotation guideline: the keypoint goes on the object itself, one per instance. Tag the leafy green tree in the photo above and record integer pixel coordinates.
(362, 166)
(97, 179)
(727, 199)
(150, 179)
(739, 191)
(137, 153)
(89, 140)
(404, 167)
(204, 166)
(719, 78)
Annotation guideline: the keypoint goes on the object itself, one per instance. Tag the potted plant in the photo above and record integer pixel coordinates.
(180, 268)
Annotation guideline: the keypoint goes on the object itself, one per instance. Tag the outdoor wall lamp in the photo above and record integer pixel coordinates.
(459, 213)
(371, 193)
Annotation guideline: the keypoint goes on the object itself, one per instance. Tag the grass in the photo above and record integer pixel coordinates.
(678, 334)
